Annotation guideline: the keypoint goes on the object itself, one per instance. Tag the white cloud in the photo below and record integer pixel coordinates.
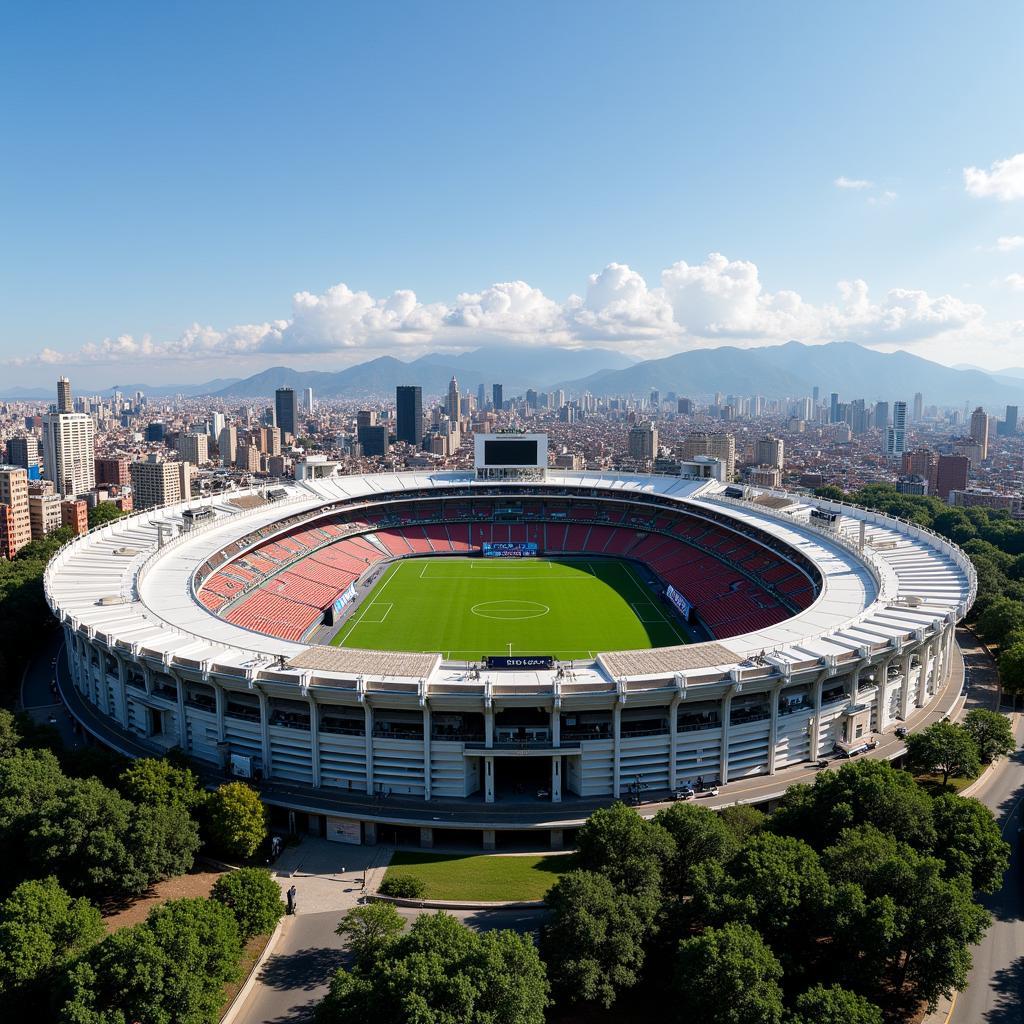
(1016, 282)
(853, 183)
(1003, 181)
(716, 301)
(1008, 243)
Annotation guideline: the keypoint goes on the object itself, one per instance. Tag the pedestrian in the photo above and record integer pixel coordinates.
(291, 900)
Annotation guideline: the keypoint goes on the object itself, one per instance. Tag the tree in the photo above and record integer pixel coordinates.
(369, 931)
(727, 976)
(699, 835)
(992, 734)
(253, 896)
(743, 821)
(42, 929)
(103, 513)
(821, 1005)
(237, 820)
(862, 793)
(1002, 615)
(628, 849)
(831, 493)
(441, 971)
(945, 748)
(156, 781)
(10, 737)
(970, 842)
(1011, 670)
(165, 840)
(172, 967)
(593, 942)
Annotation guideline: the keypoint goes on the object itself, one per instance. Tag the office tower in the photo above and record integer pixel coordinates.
(721, 446)
(24, 451)
(307, 396)
(157, 483)
(896, 435)
(920, 462)
(685, 407)
(248, 458)
(918, 407)
(643, 442)
(64, 401)
(481, 397)
(43, 513)
(268, 440)
(194, 448)
(15, 524)
(770, 451)
(815, 395)
(881, 415)
(834, 416)
(452, 408)
(112, 472)
(951, 474)
(409, 404)
(69, 451)
(286, 410)
(74, 514)
(979, 430)
(215, 424)
(497, 399)
(373, 438)
(227, 445)
(655, 399)
(156, 432)
(531, 399)
(857, 416)
(1010, 423)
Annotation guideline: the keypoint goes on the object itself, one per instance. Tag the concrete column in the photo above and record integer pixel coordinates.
(427, 838)
(773, 727)
(723, 769)
(616, 749)
(368, 713)
(673, 741)
(852, 683)
(489, 727)
(488, 837)
(922, 678)
(121, 693)
(556, 779)
(104, 686)
(557, 838)
(219, 704)
(179, 688)
(426, 753)
(314, 740)
(905, 685)
(370, 833)
(489, 780)
(882, 694)
(556, 727)
(268, 768)
(815, 737)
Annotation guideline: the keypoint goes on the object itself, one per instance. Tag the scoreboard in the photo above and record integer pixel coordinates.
(509, 549)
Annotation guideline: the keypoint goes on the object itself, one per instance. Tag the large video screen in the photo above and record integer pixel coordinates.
(510, 453)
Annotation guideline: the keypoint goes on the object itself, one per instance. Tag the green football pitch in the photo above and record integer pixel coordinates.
(466, 608)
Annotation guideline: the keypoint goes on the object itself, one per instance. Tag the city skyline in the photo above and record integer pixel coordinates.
(582, 196)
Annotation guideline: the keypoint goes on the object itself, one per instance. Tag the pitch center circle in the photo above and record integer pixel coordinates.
(510, 610)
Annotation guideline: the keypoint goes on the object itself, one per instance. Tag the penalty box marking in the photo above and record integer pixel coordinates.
(376, 607)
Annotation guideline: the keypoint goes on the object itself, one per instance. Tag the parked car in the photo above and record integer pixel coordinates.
(686, 793)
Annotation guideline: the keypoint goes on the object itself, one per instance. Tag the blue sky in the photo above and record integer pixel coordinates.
(194, 189)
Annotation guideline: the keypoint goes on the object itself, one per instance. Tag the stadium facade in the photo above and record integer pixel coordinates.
(196, 626)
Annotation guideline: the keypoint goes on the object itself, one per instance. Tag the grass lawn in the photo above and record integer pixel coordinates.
(933, 784)
(483, 877)
(467, 608)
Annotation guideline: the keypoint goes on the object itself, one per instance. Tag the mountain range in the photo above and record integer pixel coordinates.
(208, 387)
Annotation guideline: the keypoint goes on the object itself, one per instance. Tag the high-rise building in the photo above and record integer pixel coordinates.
(684, 406)
(215, 424)
(920, 462)
(112, 472)
(643, 442)
(896, 435)
(452, 408)
(1009, 425)
(74, 514)
(227, 445)
(194, 448)
(24, 451)
(64, 400)
(770, 451)
(918, 407)
(497, 397)
(409, 403)
(951, 474)
(156, 432)
(155, 482)
(247, 457)
(286, 408)
(308, 400)
(43, 513)
(373, 437)
(979, 430)
(366, 418)
(531, 399)
(721, 446)
(833, 416)
(481, 396)
(69, 452)
(15, 523)
(268, 440)
(881, 415)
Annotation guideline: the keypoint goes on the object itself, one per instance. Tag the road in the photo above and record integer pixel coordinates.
(995, 989)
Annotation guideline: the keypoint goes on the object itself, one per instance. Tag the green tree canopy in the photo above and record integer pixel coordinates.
(945, 749)
(628, 849)
(743, 821)
(254, 897)
(970, 842)
(727, 975)
(155, 780)
(1011, 669)
(441, 971)
(236, 819)
(369, 931)
(699, 835)
(10, 736)
(42, 929)
(593, 942)
(1001, 616)
(103, 513)
(992, 733)
(832, 1005)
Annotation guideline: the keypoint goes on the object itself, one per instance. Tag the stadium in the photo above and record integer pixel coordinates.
(504, 648)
